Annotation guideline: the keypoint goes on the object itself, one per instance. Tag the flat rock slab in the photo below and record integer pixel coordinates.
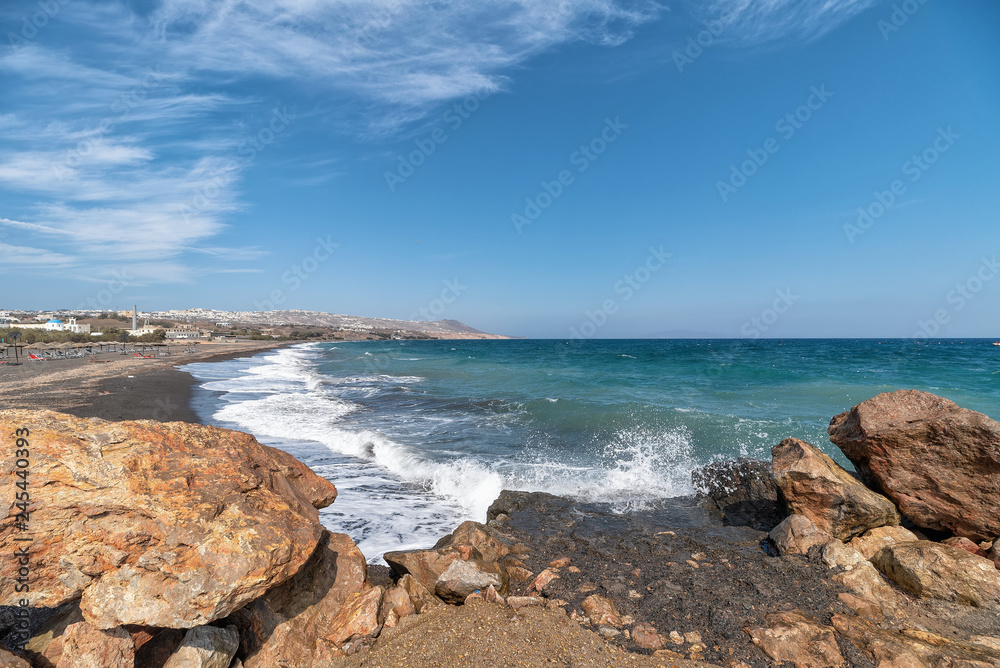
(935, 570)
(938, 462)
(157, 524)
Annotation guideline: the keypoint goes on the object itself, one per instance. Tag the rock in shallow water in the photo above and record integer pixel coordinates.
(938, 462)
(159, 524)
(818, 488)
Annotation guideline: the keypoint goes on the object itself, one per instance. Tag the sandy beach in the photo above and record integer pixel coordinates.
(115, 386)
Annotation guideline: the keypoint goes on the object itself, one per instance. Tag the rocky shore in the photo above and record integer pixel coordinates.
(173, 544)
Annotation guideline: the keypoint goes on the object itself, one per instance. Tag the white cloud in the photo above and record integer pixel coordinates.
(758, 22)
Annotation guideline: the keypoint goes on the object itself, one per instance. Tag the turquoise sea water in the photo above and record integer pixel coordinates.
(420, 435)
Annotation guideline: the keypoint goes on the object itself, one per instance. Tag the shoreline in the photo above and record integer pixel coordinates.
(115, 387)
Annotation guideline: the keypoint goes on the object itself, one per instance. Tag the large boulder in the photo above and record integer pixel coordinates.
(818, 488)
(158, 524)
(300, 616)
(873, 540)
(938, 462)
(743, 490)
(913, 648)
(933, 570)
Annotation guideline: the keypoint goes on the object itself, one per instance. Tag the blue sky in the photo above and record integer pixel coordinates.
(543, 168)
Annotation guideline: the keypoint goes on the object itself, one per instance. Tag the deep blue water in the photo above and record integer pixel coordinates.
(420, 435)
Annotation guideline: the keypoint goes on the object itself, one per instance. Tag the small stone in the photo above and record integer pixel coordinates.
(637, 572)
(692, 637)
(667, 654)
(645, 636)
(699, 556)
(692, 563)
(518, 602)
(492, 596)
(965, 544)
(632, 593)
(696, 649)
(519, 574)
(628, 619)
(608, 632)
(676, 638)
(542, 581)
(586, 588)
(573, 569)
(601, 611)
(561, 562)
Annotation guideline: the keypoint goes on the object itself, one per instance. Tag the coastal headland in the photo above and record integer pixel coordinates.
(161, 542)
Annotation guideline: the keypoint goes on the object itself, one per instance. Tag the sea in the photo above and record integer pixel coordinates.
(419, 436)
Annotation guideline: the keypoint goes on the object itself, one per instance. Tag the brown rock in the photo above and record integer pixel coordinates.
(396, 600)
(645, 636)
(932, 570)
(939, 463)
(601, 611)
(870, 595)
(842, 557)
(492, 596)
(87, 647)
(542, 580)
(485, 546)
(873, 540)
(422, 599)
(159, 524)
(912, 648)
(45, 647)
(298, 617)
(424, 566)
(205, 647)
(965, 544)
(10, 660)
(519, 574)
(561, 562)
(154, 646)
(797, 535)
(994, 554)
(818, 488)
(799, 639)
(462, 578)
(358, 617)
(518, 602)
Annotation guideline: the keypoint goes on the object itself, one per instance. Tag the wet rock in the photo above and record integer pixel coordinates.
(938, 462)
(206, 647)
(645, 636)
(743, 490)
(873, 540)
(160, 524)
(932, 570)
(797, 535)
(799, 639)
(85, 646)
(601, 611)
(300, 616)
(462, 578)
(965, 544)
(912, 648)
(817, 487)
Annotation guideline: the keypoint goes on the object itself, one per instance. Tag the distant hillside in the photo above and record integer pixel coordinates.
(437, 329)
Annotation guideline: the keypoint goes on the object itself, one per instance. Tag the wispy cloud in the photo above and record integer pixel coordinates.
(768, 22)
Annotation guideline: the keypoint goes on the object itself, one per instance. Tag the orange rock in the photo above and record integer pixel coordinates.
(358, 617)
(542, 580)
(601, 611)
(645, 636)
(159, 524)
(422, 599)
(397, 601)
(799, 639)
(297, 618)
(87, 647)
